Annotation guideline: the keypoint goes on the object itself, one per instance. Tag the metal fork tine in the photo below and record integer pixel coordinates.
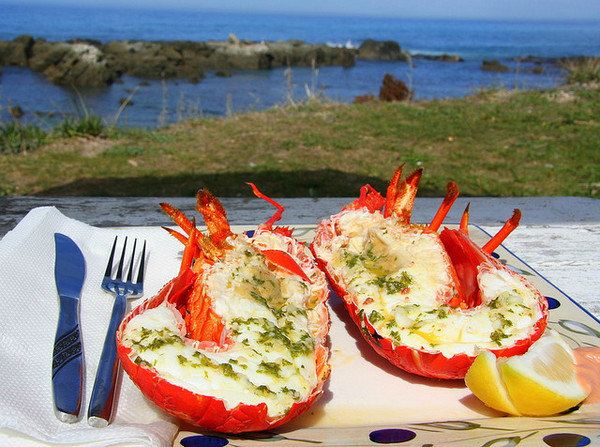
(130, 273)
(121, 261)
(109, 266)
(102, 399)
(140, 277)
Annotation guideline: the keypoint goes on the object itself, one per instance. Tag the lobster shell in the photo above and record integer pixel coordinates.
(206, 411)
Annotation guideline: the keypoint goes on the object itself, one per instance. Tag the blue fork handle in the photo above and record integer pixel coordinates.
(101, 403)
(67, 362)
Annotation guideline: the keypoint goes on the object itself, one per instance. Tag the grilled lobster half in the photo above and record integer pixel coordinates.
(428, 302)
(237, 341)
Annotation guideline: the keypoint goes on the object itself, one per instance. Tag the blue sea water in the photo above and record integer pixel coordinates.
(164, 102)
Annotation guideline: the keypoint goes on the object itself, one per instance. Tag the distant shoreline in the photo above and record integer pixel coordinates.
(91, 63)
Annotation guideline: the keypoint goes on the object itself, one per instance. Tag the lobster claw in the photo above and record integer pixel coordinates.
(286, 262)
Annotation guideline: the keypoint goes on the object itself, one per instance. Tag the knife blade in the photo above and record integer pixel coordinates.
(67, 360)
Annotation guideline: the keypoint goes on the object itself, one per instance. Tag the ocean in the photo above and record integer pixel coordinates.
(156, 103)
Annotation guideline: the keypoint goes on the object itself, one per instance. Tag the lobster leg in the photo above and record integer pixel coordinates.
(178, 217)
(506, 229)
(214, 216)
(180, 237)
(466, 258)
(369, 198)
(444, 209)
(464, 220)
(280, 209)
(404, 197)
(202, 323)
(191, 250)
(390, 196)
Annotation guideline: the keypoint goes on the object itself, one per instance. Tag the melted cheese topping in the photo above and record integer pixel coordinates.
(269, 315)
(399, 278)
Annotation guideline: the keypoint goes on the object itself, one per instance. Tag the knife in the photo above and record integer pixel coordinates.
(67, 361)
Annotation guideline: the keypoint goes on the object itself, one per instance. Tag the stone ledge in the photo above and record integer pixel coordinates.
(133, 211)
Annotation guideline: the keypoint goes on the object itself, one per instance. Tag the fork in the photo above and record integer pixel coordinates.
(101, 403)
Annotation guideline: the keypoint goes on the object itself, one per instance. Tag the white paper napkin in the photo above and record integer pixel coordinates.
(28, 318)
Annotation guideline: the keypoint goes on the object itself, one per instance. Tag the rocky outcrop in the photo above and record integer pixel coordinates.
(91, 63)
(78, 63)
(17, 51)
(382, 50)
(494, 66)
(438, 57)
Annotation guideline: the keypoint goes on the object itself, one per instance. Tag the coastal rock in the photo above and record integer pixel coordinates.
(77, 63)
(17, 51)
(439, 57)
(538, 69)
(16, 111)
(393, 89)
(91, 63)
(531, 59)
(494, 66)
(378, 50)
(156, 60)
(292, 54)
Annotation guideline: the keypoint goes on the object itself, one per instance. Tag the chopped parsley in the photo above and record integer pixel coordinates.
(497, 336)
(393, 285)
(161, 338)
(269, 368)
(351, 259)
(375, 316)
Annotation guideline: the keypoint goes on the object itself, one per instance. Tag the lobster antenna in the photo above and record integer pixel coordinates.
(506, 229)
(280, 209)
(451, 195)
(464, 220)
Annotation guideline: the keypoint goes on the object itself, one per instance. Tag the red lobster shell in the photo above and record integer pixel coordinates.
(427, 302)
(201, 330)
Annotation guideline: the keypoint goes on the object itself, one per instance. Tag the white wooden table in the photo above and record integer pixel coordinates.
(559, 236)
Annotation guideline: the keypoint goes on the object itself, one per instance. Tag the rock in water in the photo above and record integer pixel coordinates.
(77, 63)
(393, 89)
(439, 57)
(91, 63)
(495, 66)
(378, 50)
(17, 51)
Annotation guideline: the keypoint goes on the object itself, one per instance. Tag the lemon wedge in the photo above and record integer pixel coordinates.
(540, 382)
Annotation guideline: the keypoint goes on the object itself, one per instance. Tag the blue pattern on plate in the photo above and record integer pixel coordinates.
(203, 441)
(553, 303)
(567, 440)
(390, 435)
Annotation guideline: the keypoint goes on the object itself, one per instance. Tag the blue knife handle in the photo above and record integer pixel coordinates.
(101, 403)
(67, 362)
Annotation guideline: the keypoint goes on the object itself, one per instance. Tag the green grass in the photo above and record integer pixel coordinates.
(582, 70)
(16, 138)
(86, 125)
(496, 143)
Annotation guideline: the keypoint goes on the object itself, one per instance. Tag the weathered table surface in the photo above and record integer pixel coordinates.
(559, 236)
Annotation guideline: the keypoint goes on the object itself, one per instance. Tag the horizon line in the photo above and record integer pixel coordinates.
(193, 8)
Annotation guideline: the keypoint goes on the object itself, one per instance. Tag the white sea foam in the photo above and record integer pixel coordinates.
(349, 45)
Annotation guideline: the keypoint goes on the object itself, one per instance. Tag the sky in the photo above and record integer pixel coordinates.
(468, 9)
